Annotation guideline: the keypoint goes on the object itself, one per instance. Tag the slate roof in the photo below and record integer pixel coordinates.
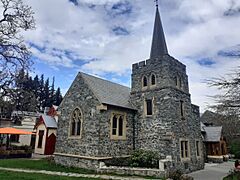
(159, 46)
(213, 134)
(209, 117)
(108, 92)
(25, 113)
(49, 121)
(202, 127)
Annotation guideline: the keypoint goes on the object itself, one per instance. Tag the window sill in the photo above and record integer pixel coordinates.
(153, 86)
(148, 116)
(185, 159)
(74, 137)
(118, 138)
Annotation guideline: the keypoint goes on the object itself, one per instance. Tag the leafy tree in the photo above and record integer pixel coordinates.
(14, 54)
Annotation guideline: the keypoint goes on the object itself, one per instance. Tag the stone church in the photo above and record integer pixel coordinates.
(101, 119)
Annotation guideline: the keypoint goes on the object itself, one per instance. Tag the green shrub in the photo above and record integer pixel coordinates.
(235, 149)
(117, 161)
(233, 175)
(4, 152)
(144, 158)
(175, 175)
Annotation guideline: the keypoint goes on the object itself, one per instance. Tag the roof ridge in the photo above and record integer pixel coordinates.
(94, 93)
(104, 80)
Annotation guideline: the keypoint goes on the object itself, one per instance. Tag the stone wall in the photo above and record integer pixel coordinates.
(133, 171)
(95, 139)
(165, 68)
(163, 130)
(79, 95)
(108, 146)
(98, 166)
(69, 161)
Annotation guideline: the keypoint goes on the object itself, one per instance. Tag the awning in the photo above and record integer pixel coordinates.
(9, 130)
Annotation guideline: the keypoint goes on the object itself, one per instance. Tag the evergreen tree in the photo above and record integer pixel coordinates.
(41, 93)
(34, 94)
(47, 100)
(23, 95)
(52, 92)
(58, 97)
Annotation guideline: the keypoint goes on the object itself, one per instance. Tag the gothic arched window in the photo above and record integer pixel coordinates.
(145, 81)
(118, 126)
(153, 79)
(178, 82)
(76, 122)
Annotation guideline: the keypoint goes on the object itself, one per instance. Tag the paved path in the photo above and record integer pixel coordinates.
(71, 174)
(213, 171)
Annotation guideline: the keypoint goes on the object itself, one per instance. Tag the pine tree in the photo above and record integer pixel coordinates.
(23, 95)
(52, 92)
(34, 94)
(58, 97)
(47, 100)
(41, 92)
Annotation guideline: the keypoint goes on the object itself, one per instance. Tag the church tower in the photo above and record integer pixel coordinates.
(166, 121)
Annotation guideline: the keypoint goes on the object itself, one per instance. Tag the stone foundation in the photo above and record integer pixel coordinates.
(215, 159)
(97, 164)
(133, 171)
(77, 161)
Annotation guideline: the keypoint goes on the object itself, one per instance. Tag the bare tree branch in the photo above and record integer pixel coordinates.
(14, 54)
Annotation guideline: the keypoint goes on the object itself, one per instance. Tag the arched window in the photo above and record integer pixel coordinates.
(145, 81)
(118, 126)
(178, 82)
(114, 125)
(76, 122)
(153, 79)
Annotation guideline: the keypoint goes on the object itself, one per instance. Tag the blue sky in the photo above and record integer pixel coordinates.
(104, 37)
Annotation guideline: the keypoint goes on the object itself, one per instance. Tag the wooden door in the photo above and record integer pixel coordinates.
(50, 144)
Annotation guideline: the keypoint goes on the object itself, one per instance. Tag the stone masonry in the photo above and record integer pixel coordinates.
(174, 118)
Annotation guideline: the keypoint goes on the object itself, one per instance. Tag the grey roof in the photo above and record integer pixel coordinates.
(159, 46)
(25, 113)
(49, 121)
(202, 127)
(213, 134)
(108, 92)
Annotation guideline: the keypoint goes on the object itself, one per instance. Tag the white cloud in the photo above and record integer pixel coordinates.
(194, 30)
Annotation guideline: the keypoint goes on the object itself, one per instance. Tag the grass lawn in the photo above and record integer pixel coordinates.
(233, 176)
(42, 164)
(30, 176)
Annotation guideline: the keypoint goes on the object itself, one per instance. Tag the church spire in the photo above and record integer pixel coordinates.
(159, 46)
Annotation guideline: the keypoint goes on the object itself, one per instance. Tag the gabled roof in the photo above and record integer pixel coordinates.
(159, 46)
(25, 113)
(213, 134)
(202, 127)
(210, 117)
(49, 121)
(108, 92)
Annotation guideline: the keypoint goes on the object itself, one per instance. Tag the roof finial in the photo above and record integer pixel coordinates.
(156, 3)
